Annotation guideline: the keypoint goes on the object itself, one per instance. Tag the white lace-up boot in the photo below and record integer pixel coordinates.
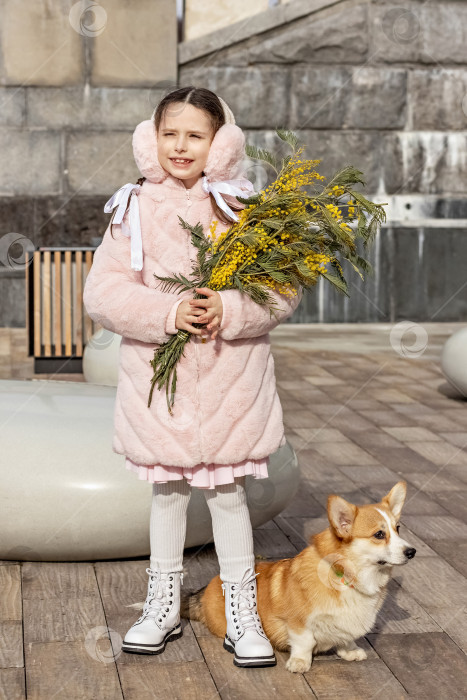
(160, 620)
(245, 635)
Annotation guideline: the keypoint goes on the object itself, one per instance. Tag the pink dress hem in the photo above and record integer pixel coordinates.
(202, 476)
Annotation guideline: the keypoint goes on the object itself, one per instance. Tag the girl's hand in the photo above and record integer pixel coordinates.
(210, 308)
(186, 316)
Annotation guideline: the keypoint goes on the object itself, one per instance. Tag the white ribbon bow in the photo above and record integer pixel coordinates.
(120, 199)
(228, 187)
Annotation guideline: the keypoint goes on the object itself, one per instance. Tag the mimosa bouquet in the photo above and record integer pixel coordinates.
(285, 238)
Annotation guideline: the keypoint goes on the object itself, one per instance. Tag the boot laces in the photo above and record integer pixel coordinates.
(244, 599)
(160, 595)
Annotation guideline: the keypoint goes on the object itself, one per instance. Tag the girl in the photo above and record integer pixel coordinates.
(227, 417)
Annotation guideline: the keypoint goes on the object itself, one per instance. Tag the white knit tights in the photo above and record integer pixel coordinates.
(231, 524)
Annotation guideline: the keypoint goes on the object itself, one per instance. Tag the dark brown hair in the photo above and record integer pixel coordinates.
(204, 99)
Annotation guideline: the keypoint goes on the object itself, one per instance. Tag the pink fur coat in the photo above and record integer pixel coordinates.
(226, 405)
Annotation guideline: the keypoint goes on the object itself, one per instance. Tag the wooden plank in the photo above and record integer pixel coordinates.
(67, 301)
(46, 302)
(12, 684)
(58, 303)
(66, 669)
(11, 644)
(233, 682)
(58, 579)
(60, 618)
(68, 650)
(11, 631)
(427, 666)
(27, 281)
(177, 681)
(447, 586)
(401, 614)
(88, 325)
(37, 303)
(78, 302)
(354, 680)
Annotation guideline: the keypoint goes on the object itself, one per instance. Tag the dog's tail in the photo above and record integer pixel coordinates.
(191, 606)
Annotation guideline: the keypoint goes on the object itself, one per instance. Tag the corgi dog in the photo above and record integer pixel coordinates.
(329, 594)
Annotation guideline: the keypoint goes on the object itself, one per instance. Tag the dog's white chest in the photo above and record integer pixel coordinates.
(340, 624)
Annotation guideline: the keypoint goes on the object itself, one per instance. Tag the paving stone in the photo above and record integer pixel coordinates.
(455, 502)
(370, 475)
(402, 460)
(437, 422)
(416, 503)
(459, 439)
(372, 438)
(440, 453)
(322, 434)
(302, 419)
(437, 527)
(432, 483)
(454, 553)
(409, 434)
(387, 418)
(343, 453)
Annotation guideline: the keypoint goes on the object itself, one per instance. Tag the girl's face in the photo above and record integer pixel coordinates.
(185, 132)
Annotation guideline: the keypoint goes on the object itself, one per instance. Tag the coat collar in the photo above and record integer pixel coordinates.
(196, 191)
(224, 161)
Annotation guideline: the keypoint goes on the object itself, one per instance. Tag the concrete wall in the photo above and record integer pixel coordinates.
(378, 84)
(74, 84)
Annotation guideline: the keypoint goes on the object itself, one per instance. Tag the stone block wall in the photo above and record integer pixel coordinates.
(76, 78)
(378, 84)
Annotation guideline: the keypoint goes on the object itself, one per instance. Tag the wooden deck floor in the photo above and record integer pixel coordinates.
(361, 416)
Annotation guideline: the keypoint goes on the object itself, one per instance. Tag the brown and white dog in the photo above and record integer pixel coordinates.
(330, 593)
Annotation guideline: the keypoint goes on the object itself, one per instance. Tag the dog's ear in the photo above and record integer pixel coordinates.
(341, 515)
(394, 500)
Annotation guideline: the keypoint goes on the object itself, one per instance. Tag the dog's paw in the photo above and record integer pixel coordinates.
(356, 654)
(297, 665)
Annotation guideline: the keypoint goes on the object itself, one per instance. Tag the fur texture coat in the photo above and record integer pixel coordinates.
(226, 405)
